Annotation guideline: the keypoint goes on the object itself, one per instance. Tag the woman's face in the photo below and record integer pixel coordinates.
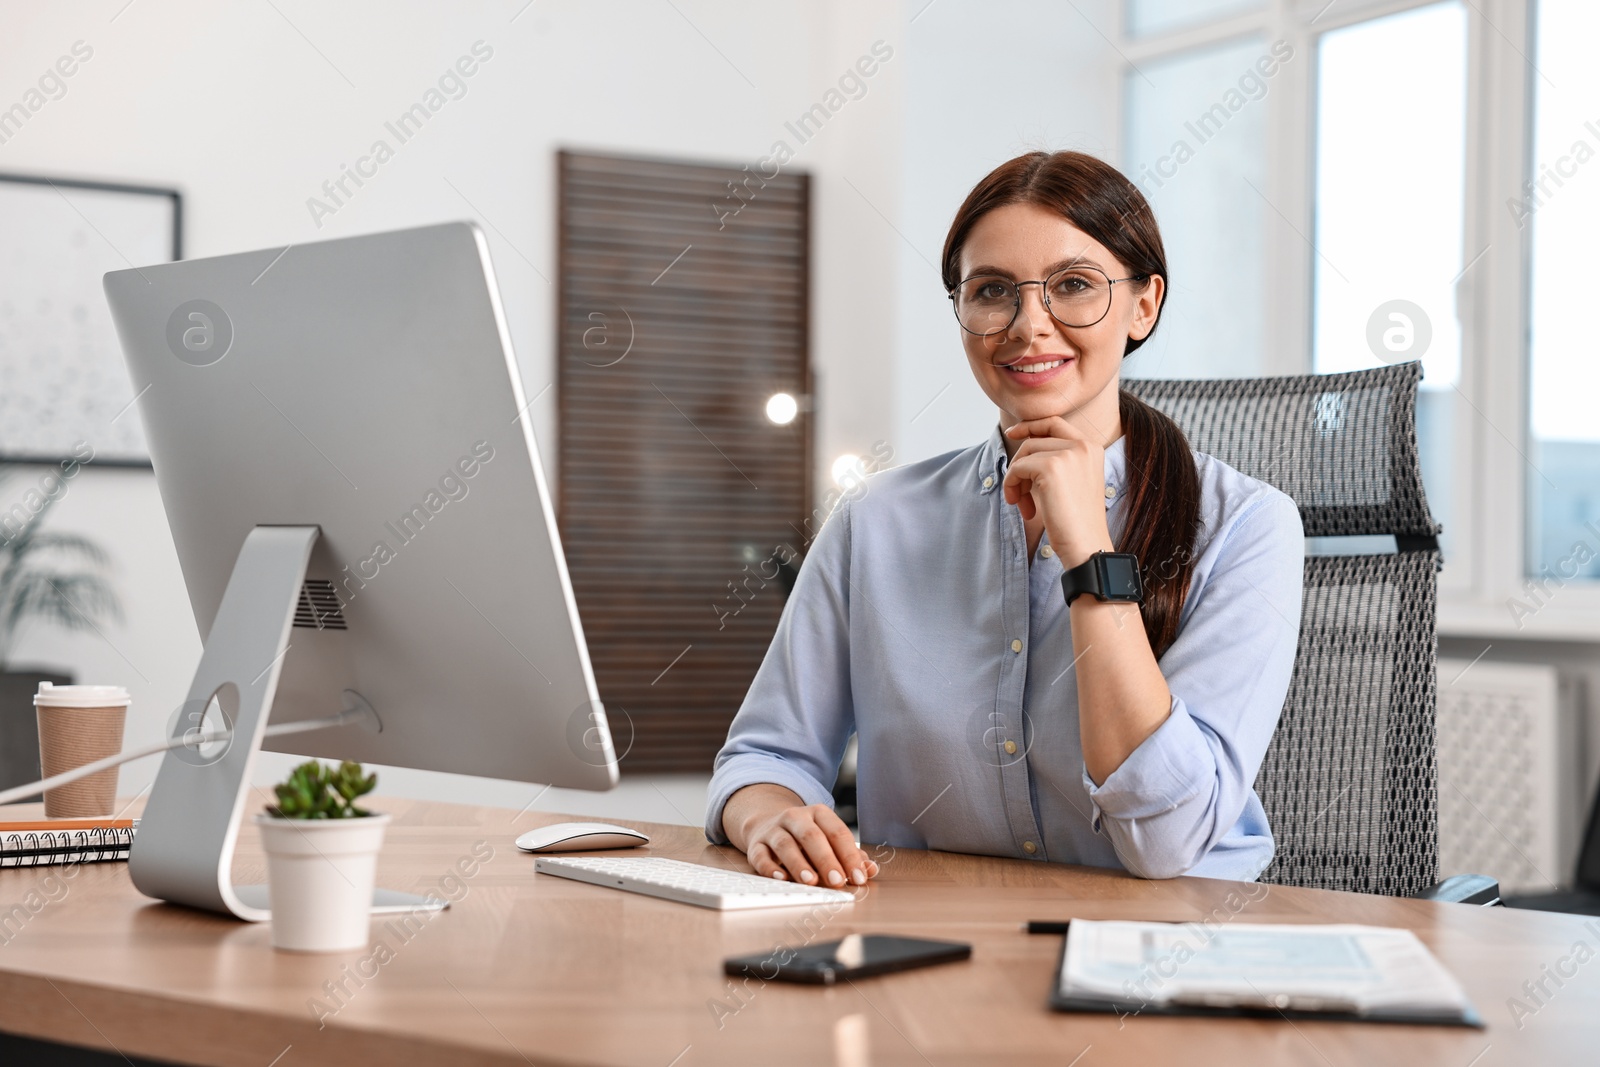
(1039, 367)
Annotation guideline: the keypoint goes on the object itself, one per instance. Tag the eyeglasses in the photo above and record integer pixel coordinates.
(987, 305)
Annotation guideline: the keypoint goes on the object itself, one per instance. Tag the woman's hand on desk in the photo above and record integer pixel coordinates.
(784, 838)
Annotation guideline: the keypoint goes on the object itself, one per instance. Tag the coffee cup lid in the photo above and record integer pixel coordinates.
(51, 695)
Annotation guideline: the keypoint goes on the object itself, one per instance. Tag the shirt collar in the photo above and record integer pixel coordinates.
(992, 465)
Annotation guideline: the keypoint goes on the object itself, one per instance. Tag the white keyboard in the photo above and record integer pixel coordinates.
(689, 883)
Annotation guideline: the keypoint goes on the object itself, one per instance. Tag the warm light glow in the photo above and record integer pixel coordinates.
(782, 408)
(847, 470)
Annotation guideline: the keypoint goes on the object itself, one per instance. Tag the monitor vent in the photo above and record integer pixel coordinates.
(319, 607)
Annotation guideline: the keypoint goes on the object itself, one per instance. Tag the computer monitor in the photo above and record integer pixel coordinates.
(345, 453)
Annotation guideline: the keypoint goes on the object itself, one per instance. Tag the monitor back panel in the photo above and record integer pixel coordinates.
(366, 386)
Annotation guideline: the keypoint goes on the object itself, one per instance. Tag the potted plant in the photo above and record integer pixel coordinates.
(37, 583)
(322, 857)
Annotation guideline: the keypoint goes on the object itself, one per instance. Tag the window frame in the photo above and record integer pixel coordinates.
(1486, 569)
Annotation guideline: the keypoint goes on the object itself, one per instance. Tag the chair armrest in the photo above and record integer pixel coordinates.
(1477, 889)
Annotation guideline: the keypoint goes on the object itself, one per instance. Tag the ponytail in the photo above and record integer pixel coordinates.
(1163, 502)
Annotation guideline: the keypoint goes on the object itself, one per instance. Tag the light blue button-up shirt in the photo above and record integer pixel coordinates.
(918, 624)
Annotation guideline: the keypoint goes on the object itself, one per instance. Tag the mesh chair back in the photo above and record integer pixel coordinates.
(1349, 781)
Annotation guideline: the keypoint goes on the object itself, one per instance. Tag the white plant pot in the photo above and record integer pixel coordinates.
(320, 874)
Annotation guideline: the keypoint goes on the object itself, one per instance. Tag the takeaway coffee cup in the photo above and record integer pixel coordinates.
(79, 724)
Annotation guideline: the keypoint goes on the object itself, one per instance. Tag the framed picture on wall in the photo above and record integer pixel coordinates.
(64, 388)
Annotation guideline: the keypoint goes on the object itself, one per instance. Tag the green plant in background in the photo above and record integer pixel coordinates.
(33, 582)
(315, 791)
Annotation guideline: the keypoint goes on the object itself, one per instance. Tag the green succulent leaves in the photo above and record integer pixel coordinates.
(315, 791)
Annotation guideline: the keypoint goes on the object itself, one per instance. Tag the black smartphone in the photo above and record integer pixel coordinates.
(855, 956)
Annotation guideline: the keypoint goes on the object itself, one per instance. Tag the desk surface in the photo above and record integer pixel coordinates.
(527, 969)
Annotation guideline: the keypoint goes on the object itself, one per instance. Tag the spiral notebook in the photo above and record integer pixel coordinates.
(49, 848)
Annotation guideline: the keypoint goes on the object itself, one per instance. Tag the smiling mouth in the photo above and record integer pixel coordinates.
(1034, 368)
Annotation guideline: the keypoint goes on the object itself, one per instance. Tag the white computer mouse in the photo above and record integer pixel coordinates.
(580, 837)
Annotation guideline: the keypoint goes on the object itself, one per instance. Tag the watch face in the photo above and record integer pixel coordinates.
(1121, 573)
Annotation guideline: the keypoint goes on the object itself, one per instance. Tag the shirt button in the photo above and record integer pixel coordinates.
(1110, 492)
(1029, 847)
(1016, 644)
(1047, 552)
(1011, 748)
(988, 483)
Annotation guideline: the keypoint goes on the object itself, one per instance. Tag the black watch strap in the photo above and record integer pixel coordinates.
(1105, 576)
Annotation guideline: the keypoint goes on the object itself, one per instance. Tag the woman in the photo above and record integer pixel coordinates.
(970, 617)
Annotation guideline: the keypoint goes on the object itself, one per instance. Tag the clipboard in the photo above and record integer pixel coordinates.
(1262, 1006)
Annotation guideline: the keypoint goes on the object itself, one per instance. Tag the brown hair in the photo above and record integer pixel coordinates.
(1163, 496)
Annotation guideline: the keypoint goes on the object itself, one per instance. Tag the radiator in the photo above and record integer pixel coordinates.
(1499, 774)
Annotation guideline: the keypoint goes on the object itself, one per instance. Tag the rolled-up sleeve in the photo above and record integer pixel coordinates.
(1186, 785)
(798, 715)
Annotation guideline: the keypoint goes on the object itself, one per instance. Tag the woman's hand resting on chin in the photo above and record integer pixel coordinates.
(1059, 473)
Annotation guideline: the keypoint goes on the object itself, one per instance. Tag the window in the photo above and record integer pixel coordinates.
(1428, 170)
(1196, 148)
(1561, 208)
(1391, 106)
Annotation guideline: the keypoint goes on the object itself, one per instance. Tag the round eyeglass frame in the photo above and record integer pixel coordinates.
(1044, 294)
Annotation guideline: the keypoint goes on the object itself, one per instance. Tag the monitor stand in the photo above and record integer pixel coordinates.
(183, 852)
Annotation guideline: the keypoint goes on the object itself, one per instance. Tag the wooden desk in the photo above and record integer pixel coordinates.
(526, 969)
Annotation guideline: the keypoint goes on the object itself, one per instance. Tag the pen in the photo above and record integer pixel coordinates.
(1047, 926)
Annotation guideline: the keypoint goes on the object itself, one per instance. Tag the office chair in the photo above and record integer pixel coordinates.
(1584, 897)
(1349, 781)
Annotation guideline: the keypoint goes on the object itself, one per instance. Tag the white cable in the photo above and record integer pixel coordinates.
(23, 792)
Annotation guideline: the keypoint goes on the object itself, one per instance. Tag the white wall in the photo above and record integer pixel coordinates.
(249, 115)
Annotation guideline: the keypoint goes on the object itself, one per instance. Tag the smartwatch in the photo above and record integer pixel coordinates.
(1105, 576)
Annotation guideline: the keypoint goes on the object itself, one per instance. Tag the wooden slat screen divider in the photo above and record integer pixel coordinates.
(683, 305)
